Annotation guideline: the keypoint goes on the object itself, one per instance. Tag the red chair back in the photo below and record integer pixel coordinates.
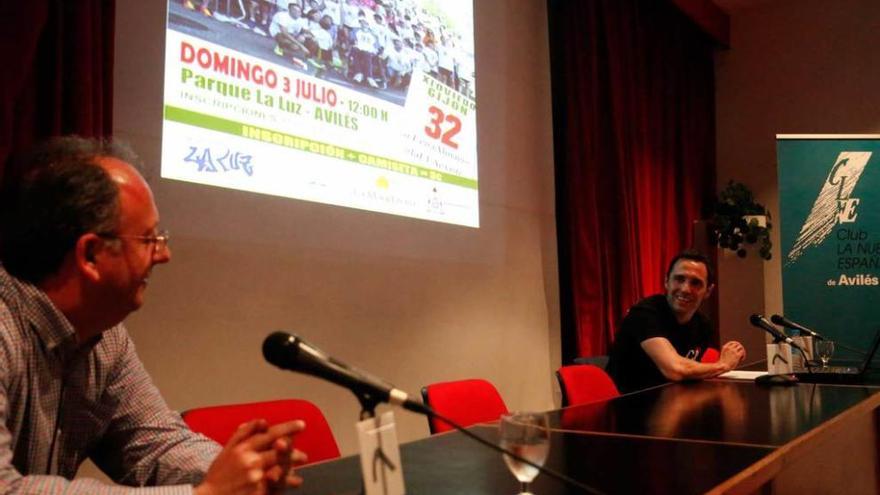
(710, 356)
(583, 383)
(466, 402)
(220, 422)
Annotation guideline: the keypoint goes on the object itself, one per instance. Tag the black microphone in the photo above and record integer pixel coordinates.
(761, 322)
(293, 353)
(785, 322)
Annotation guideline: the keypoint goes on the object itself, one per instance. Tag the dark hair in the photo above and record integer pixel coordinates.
(61, 195)
(693, 255)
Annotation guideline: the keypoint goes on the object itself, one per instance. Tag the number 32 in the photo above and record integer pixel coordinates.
(434, 131)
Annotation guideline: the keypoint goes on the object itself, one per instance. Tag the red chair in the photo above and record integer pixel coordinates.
(583, 383)
(710, 356)
(466, 402)
(220, 422)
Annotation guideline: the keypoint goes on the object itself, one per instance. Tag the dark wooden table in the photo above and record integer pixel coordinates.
(719, 436)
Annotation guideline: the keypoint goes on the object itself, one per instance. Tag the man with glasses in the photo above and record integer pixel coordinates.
(79, 237)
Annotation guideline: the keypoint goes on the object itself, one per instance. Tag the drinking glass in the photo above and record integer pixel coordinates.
(824, 349)
(526, 435)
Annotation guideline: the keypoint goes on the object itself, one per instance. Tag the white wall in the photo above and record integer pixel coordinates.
(411, 301)
(794, 67)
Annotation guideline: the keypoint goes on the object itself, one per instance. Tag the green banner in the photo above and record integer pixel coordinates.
(205, 121)
(829, 192)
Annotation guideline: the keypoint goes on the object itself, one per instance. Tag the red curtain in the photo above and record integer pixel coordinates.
(633, 105)
(57, 75)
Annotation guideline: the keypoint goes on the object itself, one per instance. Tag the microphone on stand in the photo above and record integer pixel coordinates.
(781, 320)
(293, 353)
(762, 323)
(759, 321)
(785, 322)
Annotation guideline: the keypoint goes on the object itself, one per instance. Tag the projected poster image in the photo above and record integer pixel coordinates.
(366, 104)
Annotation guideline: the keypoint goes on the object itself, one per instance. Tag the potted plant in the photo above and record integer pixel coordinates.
(738, 220)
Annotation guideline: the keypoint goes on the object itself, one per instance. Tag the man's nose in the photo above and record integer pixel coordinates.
(162, 255)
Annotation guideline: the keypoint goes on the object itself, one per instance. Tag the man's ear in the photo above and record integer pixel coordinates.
(709, 290)
(86, 253)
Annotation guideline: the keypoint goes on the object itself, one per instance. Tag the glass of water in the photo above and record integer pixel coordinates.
(526, 435)
(824, 349)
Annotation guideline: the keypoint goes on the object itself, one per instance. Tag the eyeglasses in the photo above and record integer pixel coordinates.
(159, 241)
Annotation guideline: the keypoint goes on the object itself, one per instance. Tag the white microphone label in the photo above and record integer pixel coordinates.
(380, 455)
(779, 360)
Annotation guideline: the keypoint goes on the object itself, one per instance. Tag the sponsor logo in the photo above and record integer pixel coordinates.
(859, 279)
(834, 205)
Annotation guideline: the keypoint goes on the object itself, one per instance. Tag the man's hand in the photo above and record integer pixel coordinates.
(732, 353)
(254, 460)
(282, 475)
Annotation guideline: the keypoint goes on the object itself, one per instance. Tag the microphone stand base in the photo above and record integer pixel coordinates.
(771, 380)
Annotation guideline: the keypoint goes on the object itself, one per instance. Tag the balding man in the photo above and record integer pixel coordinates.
(79, 238)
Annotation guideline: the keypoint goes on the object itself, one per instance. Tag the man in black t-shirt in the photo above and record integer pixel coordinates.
(662, 338)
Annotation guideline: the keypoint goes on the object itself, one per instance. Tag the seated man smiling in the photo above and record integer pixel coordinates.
(663, 337)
